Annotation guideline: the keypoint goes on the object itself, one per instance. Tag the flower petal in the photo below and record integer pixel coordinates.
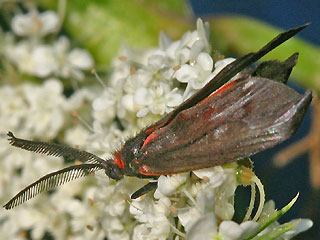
(230, 230)
(80, 58)
(249, 228)
(186, 73)
(174, 99)
(50, 21)
(196, 49)
(143, 112)
(168, 184)
(142, 97)
(164, 41)
(204, 228)
(205, 61)
(302, 226)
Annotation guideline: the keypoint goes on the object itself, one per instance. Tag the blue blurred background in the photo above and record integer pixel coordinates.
(282, 13)
(281, 184)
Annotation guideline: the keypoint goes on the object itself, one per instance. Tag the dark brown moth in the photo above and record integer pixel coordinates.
(223, 122)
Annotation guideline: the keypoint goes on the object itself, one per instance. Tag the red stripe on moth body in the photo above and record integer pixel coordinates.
(220, 90)
(144, 170)
(149, 138)
(150, 130)
(117, 160)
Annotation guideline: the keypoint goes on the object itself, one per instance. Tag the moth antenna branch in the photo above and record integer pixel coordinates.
(52, 180)
(53, 149)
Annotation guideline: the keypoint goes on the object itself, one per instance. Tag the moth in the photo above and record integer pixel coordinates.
(225, 121)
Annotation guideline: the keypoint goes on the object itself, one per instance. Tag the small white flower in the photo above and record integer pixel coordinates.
(104, 141)
(206, 228)
(80, 58)
(199, 73)
(219, 65)
(188, 217)
(46, 112)
(224, 207)
(189, 47)
(81, 99)
(77, 136)
(12, 108)
(141, 232)
(169, 184)
(157, 101)
(71, 64)
(115, 229)
(196, 74)
(216, 175)
(154, 215)
(156, 61)
(128, 103)
(248, 228)
(197, 41)
(302, 226)
(178, 53)
(44, 62)
(122, 66)
(230, 230)
(36, 60)
(104, 109)
(35, 23)
(215, 197)
(82, 215)
(20, 54)
(164, 41)
(269, 209)
(36, 110)
(141, 78)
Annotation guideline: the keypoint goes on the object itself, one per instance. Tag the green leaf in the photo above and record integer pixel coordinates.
(103, 26)
(278, 231)
(268, 220)
(240, 35)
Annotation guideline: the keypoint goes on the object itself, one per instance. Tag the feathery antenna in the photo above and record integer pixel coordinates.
(56, 150)
(52, 180)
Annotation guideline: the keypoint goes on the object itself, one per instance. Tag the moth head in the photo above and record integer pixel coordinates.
(113, 171)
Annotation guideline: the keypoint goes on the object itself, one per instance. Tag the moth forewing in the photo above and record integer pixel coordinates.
(249, 116)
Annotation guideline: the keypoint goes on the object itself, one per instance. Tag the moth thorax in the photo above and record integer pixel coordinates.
(132, 147)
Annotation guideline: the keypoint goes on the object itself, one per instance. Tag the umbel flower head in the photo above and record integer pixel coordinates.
(143, 87)
(34, 55)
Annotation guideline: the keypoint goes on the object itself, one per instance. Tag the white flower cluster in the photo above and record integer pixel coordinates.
(144, 87)
(152, 83)
(32, 56)
(33, 110)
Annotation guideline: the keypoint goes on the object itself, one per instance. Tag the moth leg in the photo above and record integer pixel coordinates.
(145, 189)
